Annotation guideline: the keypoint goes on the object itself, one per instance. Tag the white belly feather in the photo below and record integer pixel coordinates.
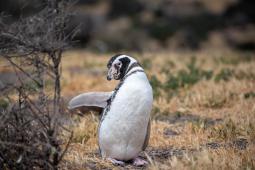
(123, 130)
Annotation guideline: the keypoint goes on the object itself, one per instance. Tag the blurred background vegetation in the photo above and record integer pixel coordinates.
(149, 25)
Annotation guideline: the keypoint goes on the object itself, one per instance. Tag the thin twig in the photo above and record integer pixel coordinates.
(67, 146)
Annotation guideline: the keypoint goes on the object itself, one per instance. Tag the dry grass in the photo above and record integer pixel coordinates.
(209, 124)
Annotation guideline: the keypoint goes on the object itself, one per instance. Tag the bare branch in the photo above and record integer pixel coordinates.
(30, 128)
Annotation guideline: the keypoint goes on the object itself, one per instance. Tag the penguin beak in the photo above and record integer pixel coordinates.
(109, 76)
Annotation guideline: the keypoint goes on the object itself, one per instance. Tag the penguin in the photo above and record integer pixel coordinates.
(124, 127)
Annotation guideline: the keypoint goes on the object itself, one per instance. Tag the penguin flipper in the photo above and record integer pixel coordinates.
(147, 137)
(92, 101)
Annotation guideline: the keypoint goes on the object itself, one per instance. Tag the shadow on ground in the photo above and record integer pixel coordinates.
(177, 117)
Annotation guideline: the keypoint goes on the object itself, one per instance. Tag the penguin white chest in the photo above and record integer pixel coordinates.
(124, 127)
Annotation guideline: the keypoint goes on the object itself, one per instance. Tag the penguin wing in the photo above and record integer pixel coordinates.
(92, 101)
(147, 137)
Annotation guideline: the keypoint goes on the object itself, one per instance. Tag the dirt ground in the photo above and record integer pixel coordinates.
(203, 113)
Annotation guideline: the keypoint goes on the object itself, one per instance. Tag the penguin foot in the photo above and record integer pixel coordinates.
(139, 162)
(116, 162)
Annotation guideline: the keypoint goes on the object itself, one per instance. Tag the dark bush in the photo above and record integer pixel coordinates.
(30, 125)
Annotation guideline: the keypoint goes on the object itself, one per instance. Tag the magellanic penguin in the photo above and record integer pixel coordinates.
(124, 127)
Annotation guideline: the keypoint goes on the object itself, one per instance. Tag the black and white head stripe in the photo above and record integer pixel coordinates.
(125, 63)
(119, 65)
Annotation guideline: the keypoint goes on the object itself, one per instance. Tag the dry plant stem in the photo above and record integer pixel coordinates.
(30, 130)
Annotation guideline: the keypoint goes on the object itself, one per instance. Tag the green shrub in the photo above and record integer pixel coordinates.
(187, 77)
(156, 86)
(146, 63)
(172, 83)
(225, 74)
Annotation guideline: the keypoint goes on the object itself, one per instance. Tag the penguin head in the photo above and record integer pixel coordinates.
(118, 66)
